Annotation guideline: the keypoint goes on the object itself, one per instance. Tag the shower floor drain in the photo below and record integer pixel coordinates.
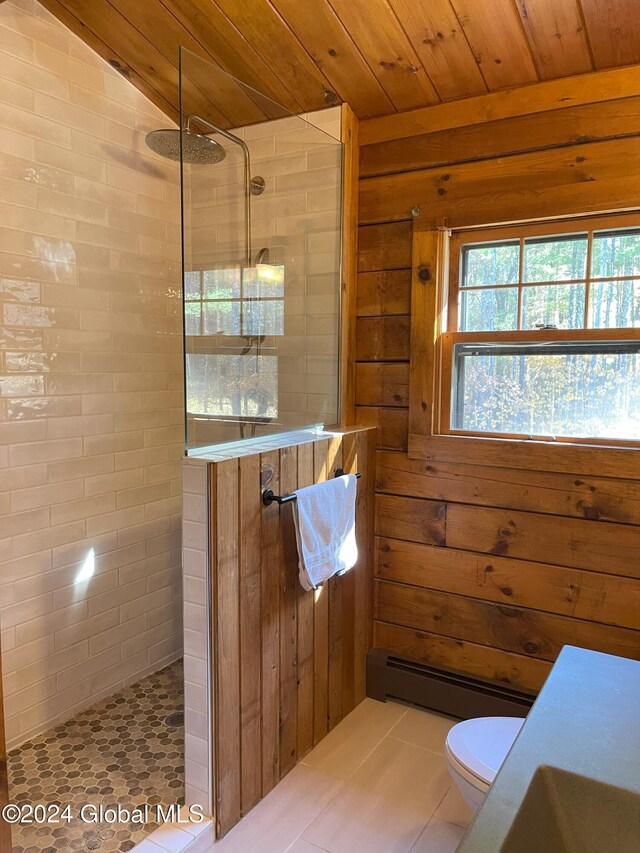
(176, 719)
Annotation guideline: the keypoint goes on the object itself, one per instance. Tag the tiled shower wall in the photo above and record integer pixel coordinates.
(297, 218)
(90, 379)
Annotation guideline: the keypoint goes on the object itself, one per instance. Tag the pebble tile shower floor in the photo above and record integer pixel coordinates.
(120, 751)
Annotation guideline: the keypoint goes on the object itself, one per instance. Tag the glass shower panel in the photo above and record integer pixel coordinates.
(262, 252)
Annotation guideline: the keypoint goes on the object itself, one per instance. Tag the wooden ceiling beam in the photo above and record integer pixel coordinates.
(598, 86)
(571, 126)
(535, 185)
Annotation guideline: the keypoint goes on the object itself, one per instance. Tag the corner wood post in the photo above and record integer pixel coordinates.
(350, 189)
(427, 283)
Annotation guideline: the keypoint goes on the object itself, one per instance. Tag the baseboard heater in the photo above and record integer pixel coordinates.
(441, 690)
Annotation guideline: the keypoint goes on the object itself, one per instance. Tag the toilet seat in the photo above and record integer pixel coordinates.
(478, 747)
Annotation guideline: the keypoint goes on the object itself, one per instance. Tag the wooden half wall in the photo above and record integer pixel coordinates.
(288, 664)
(484, 565)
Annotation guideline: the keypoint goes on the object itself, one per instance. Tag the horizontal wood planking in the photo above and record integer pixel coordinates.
(594, 545)
(392, 425)
(555, 589)
(383, 301)
(572, 126)
(384, 292)
(555, 182)
(617, 462)
(514, 629)
(412, 519)
(383, 338)
(473, 659)
(595, 498)
(379, 384)
(385, 247)
(549, 96)
(288, 666)
(569, 564)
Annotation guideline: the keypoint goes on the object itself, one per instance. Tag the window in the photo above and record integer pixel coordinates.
(231, 366)
(543, 333)
(235, 301)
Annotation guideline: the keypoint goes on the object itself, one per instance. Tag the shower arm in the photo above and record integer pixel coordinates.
(247, 176)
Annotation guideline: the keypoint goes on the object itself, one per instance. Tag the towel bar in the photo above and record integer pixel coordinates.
(268, 497)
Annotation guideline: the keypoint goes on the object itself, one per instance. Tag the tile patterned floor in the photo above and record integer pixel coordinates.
(121, 751)
(378, 783)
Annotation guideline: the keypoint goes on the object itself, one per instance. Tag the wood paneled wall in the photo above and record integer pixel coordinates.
(481, 566)
(289, 664)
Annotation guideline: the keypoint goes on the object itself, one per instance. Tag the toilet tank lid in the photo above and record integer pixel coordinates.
(482, 744)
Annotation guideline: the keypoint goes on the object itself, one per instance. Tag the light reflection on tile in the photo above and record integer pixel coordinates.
(78, 210)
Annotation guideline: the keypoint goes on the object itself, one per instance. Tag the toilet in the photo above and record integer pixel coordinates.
(475, 750)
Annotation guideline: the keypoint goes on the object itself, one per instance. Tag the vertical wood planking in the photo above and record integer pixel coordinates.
(348, 582)
(288, 614)
(350, 194)
(305, 630)
(270, 627)
(365, 530)
(425, 285)
(335, 588)
(321, 465)
(228, 645)
(289, 664)
(250, 519)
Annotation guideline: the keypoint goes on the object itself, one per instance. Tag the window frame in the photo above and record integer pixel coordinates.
(223, 344)
(429, 307)
(452, 289)
(242, 300)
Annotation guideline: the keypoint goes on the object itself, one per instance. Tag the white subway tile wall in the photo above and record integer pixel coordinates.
(297, 218)
(90, 379)
(198, 744)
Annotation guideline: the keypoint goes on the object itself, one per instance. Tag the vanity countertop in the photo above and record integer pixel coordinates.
(586, 720)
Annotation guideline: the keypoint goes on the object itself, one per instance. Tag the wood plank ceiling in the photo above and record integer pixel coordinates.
(380, 56)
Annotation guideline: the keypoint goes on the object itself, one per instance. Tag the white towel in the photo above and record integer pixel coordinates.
(325, 522)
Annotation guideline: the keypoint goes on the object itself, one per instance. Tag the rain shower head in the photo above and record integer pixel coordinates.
(196, 147)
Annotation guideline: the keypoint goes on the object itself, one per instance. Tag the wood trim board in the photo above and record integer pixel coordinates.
(548, 96)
